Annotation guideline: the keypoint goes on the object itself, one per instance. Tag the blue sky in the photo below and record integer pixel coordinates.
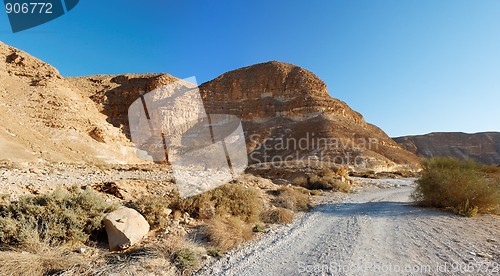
(410, 67)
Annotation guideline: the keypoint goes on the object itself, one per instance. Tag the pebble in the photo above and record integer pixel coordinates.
(485, 255)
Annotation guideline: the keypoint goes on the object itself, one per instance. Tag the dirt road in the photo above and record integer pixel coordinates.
(375, 232)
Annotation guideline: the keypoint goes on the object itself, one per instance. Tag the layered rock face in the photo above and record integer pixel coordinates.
(288, 115)
(482, 147)
(273, 90)
(113, 94)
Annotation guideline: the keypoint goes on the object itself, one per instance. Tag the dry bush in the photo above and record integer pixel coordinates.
(154, 209)
(457, 185)
(259, 227)
(227, 233)
(230, 199)
(325, 180)
(491, 171)
(300, 181)
(42, 259)
(172, 256)
(63, 216)
(277, 216)
(342, 171)
(186, 258)
(315, 192)
(135, 261)
(292, 199)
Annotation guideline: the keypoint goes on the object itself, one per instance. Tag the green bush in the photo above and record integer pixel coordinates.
(460, 186)
(63, 216)
(186, 258)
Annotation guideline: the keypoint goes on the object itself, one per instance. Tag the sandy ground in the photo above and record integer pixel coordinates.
(374, 232)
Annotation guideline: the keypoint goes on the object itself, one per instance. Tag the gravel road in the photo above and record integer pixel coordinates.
(375, 232)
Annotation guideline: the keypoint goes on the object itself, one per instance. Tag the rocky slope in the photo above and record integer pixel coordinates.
(482, 147)
(45, 118)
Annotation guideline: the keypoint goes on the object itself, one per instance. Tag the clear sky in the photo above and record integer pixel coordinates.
(410, 67)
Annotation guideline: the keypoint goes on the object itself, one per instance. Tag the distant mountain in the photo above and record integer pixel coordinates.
(483, 147)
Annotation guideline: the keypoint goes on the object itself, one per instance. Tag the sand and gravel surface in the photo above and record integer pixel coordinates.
(27, 179)
(376, 231)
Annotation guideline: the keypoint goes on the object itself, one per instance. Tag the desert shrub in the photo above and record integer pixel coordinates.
(300, 181)
(328, 182)
(259, 227)
(277, 216)
(215, 252)
(342, 171)
(292, 199)
(460, 186)
(154, 209)
(491, 169)
(227, 233)
(230, 199)
(315, 192)
(324, 180)
(492, 172)
(45, 260)
(185, 254)
(185, 258)
(63, 216)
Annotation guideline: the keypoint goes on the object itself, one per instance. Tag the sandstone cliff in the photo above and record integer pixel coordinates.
(287, 113)
(482, 147)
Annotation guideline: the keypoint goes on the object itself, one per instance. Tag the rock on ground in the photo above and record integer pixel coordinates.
(125, 227)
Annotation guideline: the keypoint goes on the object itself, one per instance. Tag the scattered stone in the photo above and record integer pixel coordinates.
(484, 255)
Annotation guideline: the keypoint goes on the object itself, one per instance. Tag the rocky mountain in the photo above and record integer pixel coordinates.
(286, 112)
(483, 147)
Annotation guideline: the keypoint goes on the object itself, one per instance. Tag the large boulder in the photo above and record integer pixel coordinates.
(125, 227)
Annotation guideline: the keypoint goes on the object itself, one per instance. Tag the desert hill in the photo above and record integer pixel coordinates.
(84, 119)
(46, 118)
(483, 147)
